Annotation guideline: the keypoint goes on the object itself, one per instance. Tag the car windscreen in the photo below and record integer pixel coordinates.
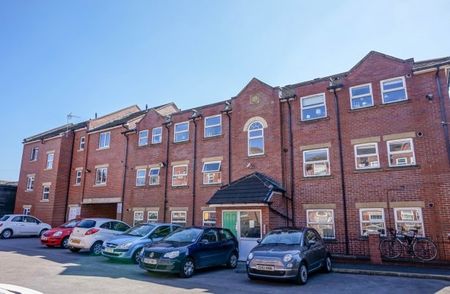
(283, 237)
(184, 235)
(70, 224)
(86, 224)
(4, 218)
(140, 230)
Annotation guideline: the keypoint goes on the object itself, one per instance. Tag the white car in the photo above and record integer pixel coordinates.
(21, 225)
(91, 232)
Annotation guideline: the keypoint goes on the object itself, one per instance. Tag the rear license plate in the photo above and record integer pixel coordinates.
(150, 261)
(109, 250)
(269, 268)
(75, 241)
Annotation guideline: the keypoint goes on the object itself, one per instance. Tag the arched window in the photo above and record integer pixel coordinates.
(255, 135)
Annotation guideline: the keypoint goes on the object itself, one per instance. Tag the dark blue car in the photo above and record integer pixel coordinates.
(188, 249)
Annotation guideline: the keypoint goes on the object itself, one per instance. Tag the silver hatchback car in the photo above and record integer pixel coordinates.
(289, 253)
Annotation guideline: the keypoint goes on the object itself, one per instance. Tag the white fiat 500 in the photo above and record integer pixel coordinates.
(91, 232)
(21, 225)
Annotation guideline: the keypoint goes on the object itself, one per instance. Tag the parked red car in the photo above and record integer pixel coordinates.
(59, 236)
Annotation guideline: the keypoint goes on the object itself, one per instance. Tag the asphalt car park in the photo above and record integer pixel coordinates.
(25, 262)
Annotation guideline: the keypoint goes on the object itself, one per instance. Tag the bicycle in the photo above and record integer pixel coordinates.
(422, 248)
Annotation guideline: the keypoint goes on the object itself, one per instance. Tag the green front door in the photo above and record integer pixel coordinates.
(229, 221)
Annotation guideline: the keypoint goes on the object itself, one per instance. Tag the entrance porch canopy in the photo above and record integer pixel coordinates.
(253, 189)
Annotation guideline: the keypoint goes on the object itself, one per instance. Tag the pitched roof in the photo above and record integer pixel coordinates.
(430, 63)
(120, 121)
(253, 188)
(55, 132)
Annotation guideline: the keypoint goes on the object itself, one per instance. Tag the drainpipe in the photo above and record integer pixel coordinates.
(291, 155)
(194, 118)
(70, 176)
(335, 87)
(227, 112)
(85, 171)
(167, 126)
(124, 179)
(443, 113)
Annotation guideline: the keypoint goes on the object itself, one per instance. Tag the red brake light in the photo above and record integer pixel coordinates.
(91, 232)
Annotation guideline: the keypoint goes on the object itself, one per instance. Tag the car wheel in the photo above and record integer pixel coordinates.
(187, 268)
(6, 234)
(302, 276)
(42, 232)
(65, 243)
(96, 248)
(74, 250)
(327, 265)
(232, 261)
(251, 277)
(136, 256)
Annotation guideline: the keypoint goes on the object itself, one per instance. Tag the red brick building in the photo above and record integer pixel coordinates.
(365, 150)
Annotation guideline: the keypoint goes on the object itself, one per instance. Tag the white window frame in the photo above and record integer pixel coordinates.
(361, 221)
(152, 212)
(152, 176)
(400, 152)
(138, 177)
(205, 173)
(101, 182)
(175, 132)
(138, 220)
(256, 137)
(34, 154)
(308, 107)
(361, 95)
(212, 126)
(319, 223)
(44, 193)
(319, 161)
(186, 175)
(107, 143)
(391, 90)
(78, 175)
(208, 222)
(419, 209)
(49, 163)
(157, 135)
(30, 183)
(26, 211)
(181, 212)
(141, 138)
(357, 156)
(82, 143)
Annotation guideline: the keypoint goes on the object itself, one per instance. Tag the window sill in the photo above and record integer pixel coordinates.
(311, 121)
(155, 186)
(46, 169)
(221, 136)
(142, 146)
(103, 148)
(77, 185)
(100, 185)
(26, 191)
(330, 240)
(317, 178)
(182, 142)
(256, 156)
(211, 185)
(180, 187)
(80, 150)
(363, 108)
(44, 201)
(367, 170)
(402, 167)
(395, 103)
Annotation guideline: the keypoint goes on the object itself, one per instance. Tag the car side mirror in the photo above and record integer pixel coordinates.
(204, 241)
(311, 242)
(258, 241)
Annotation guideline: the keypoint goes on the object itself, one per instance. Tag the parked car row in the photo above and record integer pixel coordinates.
(285, 253)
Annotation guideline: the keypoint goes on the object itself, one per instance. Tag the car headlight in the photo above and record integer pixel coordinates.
(125, 245)
(57, 234)
(250, 256)
(172, 254)
(287, 258)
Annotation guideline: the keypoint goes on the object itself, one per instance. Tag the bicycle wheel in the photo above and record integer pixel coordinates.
(391, 248)
(425, 249)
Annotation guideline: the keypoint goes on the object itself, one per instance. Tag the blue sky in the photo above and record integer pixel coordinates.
(83, 57)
